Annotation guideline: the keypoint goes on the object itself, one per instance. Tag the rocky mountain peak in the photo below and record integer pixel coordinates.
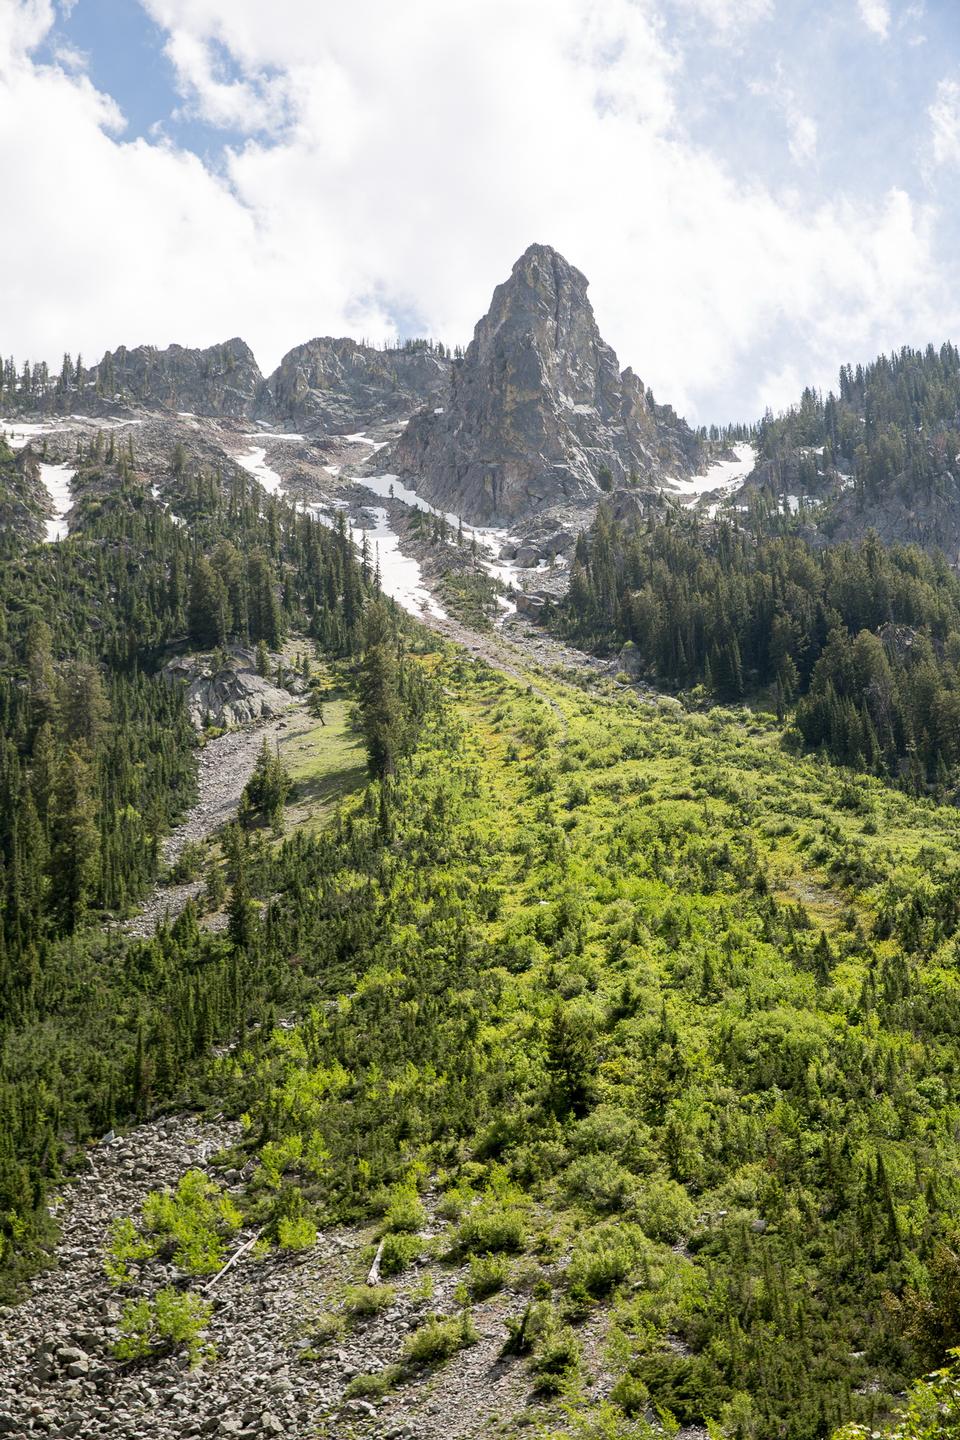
(340, 384)
(545, 302)
(222, 379)
(537, 414)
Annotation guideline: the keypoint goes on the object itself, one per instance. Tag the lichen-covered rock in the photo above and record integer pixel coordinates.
(341, 385)
(537, 412)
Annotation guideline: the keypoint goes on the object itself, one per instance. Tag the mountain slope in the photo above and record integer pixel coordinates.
(538, 412)
(23, 499)
(883, 453)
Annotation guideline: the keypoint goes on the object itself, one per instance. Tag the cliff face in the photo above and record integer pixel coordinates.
(24, 502)
(538, 412)
(340, 385)
(223, 380)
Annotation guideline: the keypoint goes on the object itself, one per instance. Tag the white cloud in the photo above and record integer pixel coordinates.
(414, 152)
(944, 116)
(247, 104)
(729, 15)
(802, 132)
(875, 14)
(802, 139)
(23, 24)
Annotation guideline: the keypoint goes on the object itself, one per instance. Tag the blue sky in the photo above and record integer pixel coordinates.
(121, 48)
(758, 190)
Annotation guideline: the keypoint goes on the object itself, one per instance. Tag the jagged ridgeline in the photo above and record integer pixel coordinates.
(324, 384)
(97, 760)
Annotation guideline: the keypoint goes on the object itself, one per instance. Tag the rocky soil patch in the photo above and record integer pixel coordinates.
(277, 1371)
(226, 764)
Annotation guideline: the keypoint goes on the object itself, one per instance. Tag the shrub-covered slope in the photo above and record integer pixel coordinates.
(667, 1011)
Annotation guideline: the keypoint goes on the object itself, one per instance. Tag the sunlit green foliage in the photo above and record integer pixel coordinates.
(661, 1000)
(172, 1320)
(191, 1222)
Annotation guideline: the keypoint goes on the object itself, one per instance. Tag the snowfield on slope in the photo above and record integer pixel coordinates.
(400, 575)
(720, 476)
(57, 481)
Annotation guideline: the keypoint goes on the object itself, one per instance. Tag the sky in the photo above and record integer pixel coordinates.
(758, 190)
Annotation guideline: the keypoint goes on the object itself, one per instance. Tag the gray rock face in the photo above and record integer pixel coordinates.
(538, 412)
(23, 499)
(233, 695)
(340, 385)
(223, 380)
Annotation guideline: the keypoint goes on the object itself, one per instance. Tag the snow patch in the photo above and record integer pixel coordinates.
(57, 480)
(489, 541)
(254, 462)
(271, 435)
(400, 575)
(718, 477)
(362, 438)
(19, 433)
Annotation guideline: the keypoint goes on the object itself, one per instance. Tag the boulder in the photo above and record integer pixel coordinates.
(232, 695)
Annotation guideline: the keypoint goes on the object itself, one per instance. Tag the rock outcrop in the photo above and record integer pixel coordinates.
(340, 385)
(538, 413)
(222, 380)
(23, 500)
(231, 694)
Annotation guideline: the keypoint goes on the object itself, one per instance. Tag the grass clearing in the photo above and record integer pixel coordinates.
(327, 763)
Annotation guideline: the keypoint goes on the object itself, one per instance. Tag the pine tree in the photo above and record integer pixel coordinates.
(75, 841)
(206, 610)
(382, 716)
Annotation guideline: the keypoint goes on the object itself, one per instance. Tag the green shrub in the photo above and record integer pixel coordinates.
(600, 1262)
(453, 1202)
(556, 1360)
(326, 1328)
(491, 1229)
(598, 1181)
(398, 1252)
(196, 1218)
(375, 1385)
(523, 1331)
(188, 864)
(173, 1320)
(488, 1274)
(406, 1212)
(630, 1394)
(364, 1300)
(126, 1244)
(665, 1211)
(299, 1233)
(439, 1338)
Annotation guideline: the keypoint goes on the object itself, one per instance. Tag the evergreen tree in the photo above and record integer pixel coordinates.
(207, 608)
(75, 847)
